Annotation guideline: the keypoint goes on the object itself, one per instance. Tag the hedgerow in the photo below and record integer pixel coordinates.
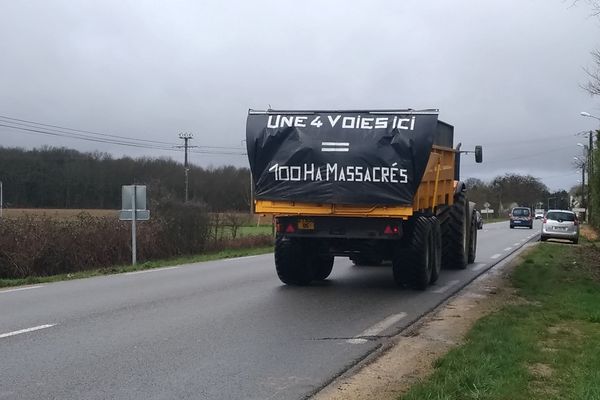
(42, 246)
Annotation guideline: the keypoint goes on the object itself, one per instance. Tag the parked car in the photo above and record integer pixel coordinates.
(478, 219)
(521, 216)
(560, 224)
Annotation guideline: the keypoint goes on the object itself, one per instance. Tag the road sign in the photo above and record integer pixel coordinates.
(127, 196)
(486, 205)
(487, 211)
(133, 209)
(580, 210)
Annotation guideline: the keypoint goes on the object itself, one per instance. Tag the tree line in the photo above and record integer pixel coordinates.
(65, 178)
(509, 190)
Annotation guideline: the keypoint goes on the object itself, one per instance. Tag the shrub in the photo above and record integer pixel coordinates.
(40, 246)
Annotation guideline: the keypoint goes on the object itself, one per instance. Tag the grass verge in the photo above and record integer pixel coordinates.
(544, 345)
(139, 267)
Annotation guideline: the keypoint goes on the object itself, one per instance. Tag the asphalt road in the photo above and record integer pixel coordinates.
(215, 330)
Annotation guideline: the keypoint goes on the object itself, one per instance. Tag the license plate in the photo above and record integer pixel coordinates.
(306, 225)
(560, 228)
(517, 222)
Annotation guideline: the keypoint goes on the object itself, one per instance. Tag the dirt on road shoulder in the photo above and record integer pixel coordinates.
(412, 354)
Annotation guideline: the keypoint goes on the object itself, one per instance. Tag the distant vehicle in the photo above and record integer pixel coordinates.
(478, 219)
(560, 224)
(521, 216)
(539, 213)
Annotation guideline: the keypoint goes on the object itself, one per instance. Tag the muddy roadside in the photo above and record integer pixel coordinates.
(411, 355)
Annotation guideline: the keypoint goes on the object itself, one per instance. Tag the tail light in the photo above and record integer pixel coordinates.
(391, 230)
(545, 220)
(576, 222)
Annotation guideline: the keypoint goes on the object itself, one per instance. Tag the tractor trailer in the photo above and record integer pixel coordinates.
(374, 186)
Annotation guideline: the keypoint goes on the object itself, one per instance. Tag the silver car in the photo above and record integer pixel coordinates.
(560, 224)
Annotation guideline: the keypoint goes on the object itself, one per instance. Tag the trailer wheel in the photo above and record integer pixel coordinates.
(437, 249)
(417, 265)
(324, 265)
(292, 262)
(456, 234)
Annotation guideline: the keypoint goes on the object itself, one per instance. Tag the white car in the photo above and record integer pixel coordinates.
(560, 224)
(539, 214)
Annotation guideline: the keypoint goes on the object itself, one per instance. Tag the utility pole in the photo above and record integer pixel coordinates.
(584, 201)
(590, 166)
(186, 137)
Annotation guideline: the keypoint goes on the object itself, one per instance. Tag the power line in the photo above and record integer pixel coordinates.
(27, 123)
(129, 142)
(85, 133)
(86, 138)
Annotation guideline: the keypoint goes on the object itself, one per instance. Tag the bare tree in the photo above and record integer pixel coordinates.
(593, 84)
(593, 73)
(594, 4)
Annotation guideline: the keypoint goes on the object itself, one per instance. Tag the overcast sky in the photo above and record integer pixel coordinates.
(506, 73)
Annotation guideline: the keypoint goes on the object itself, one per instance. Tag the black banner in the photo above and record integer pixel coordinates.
(358, 157)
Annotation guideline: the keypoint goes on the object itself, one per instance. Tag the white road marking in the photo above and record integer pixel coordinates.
(151, 270)
(240, 258)
(508, 249)
(20, 289)
(376, 329)
(517, 244)
(447, 286)
(495, 256)
(35, 328)
(478, 266)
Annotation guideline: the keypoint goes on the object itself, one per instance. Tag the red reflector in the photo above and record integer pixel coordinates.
(391, 230)
(290, 229)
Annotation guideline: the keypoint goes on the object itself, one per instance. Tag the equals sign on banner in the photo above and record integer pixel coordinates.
(335, 146)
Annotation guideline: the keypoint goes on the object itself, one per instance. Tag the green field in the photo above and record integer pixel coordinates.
(255, 230)
(544, 346)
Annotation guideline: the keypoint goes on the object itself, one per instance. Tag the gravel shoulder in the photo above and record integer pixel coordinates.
(412, 354)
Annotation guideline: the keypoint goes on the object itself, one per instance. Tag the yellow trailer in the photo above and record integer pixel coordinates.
(368, 185)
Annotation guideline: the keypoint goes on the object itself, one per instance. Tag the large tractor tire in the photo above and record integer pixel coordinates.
(414, 265)
(323, 267)
(437, 249)
(293, 262)
(455, 248)
(473, 239)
